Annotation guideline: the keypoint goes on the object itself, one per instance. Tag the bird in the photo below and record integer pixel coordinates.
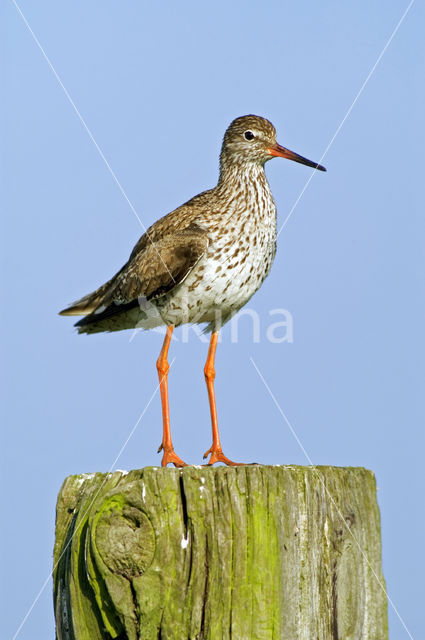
(200, 263)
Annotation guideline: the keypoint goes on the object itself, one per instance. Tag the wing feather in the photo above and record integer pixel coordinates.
(151, 273)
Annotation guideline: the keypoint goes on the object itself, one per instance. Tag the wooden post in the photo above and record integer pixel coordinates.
(255, 553)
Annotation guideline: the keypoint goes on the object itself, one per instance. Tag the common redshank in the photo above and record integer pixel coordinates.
(200, 263)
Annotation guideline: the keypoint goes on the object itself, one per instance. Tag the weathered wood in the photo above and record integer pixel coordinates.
(250, 552)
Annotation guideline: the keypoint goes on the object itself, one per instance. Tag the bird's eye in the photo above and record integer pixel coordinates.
(249, 135)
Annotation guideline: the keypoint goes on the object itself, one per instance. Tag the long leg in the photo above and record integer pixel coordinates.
(163, 368)
(209, 371)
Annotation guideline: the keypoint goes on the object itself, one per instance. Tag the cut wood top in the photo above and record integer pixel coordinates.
(255, 552)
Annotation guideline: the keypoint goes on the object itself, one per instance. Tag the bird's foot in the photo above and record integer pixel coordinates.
(218, 456)
(170, 457)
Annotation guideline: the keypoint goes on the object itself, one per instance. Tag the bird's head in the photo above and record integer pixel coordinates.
(252, 139)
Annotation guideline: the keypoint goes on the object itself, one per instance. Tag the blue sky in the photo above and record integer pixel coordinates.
(157, 84)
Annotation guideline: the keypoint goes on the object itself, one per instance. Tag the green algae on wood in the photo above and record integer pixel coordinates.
(253, 552)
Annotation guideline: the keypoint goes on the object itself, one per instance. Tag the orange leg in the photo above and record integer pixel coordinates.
(209, 371)
(163, 369)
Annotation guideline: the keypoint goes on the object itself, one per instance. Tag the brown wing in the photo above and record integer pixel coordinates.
(181, 219)
(159, 239)
(151, 273)
(160, 267)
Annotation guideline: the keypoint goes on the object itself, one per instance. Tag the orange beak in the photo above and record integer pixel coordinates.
(281, 152)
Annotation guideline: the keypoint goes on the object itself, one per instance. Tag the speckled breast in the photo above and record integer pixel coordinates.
(232, 270)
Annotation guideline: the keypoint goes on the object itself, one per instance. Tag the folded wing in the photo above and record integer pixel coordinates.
(151, 273)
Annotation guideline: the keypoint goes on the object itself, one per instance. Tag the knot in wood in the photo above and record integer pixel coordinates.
(124, 537)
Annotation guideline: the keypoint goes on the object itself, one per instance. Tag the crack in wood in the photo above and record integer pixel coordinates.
(205, 596)
(184, 505)
(135, 607)
(334, 619)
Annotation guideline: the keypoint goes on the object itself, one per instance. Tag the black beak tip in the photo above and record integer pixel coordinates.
(320, 167)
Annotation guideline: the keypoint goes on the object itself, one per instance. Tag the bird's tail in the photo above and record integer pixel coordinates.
(86, 305)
